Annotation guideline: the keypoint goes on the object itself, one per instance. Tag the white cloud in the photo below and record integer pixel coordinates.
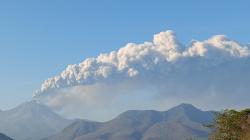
(164, 67)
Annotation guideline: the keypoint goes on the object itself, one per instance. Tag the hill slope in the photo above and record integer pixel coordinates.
(179, 123)
(4, 137)
(30, 121)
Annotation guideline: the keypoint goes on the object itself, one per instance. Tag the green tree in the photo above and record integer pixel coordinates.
(231, 125)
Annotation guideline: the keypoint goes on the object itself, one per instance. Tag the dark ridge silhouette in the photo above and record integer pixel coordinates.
(180, 122)
(4, 137)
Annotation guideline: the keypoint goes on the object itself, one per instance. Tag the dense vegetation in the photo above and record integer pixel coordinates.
(231, 125)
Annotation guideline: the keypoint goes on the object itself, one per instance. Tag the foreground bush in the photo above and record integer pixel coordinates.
(231, 125)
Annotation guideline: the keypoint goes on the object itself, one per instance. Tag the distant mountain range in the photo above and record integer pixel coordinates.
(31, 121)
(4, 137)
(179, 123)
(34, 121)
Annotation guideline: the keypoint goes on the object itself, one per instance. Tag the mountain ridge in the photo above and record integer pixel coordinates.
(179, 122)
(31, 120)
(4, 137)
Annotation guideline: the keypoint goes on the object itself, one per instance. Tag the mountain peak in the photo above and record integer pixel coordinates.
(189, 111)
(32, 106)
(185, 107)
(179, 123)
(31, 103)
(39, 121)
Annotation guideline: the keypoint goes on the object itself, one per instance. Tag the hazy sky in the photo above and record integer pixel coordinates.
(39, 38)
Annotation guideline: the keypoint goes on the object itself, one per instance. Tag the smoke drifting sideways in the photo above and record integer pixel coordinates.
(214, 73)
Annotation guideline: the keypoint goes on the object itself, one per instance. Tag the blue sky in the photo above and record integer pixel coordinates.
(39, 38)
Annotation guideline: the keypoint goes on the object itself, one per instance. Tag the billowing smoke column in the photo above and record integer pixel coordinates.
(163, 56)
(212, 74)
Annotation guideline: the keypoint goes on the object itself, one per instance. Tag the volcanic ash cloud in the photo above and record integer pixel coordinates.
(211, 69)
